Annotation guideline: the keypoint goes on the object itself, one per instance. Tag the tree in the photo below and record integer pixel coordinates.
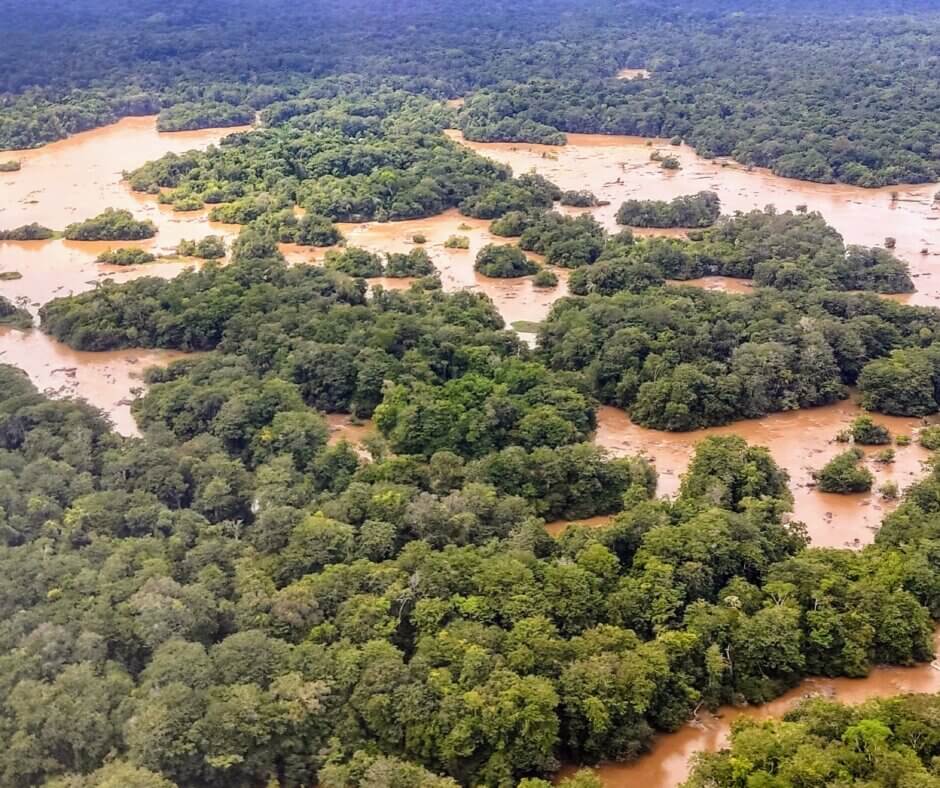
(503, 261)
(842, 474)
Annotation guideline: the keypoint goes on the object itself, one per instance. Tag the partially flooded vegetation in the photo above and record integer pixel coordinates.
(467, 441)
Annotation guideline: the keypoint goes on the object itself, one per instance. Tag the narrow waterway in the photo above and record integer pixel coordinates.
(668, 763)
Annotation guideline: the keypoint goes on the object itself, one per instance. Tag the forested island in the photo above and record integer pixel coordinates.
(239, 596)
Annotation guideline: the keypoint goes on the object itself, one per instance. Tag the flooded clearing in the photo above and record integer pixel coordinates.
(516, 299)
(106, 380)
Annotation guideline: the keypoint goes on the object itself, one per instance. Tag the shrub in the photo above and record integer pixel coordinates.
(843, 474)
(885, 456)
(579, 199)
(889, 490)
(867, 433)
(457, 242)
(545, 277)
(929, 437)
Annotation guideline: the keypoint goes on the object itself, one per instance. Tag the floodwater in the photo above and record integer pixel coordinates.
(667, 765)
(801, 441)
(617, 168)
(558, 527)
(68, 181)
(107, 380)
(516, 299)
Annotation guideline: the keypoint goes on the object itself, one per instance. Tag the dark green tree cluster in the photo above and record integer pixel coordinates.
(354, 261)
(211, 247)
(12, 315)
(202, 115)
(111, 225)
(904, 383)
(866, 432)
(399, 166)
(127, 255)
(694, 210)
(579, 198)
(844, 473)
(786, 251)
(683, 358)
(821, 742)
(503, 261)
(567, 241)
(27, 232)
(417, 262)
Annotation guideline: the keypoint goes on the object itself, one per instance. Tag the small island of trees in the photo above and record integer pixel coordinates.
(126, 256)
(211, 247)
(697, 210)
(111, 225)
(503, 261)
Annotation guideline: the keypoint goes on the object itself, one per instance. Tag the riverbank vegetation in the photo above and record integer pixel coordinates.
(417, 262)
(211, 247)
(203, 115)
(12, 315)
(881, 742)
(27, 232)
(503, 261)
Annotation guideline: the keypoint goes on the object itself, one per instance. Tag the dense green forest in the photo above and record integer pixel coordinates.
(190, 608)
(233, 599)
(238, 598)
(880, 743)
(842, 91)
